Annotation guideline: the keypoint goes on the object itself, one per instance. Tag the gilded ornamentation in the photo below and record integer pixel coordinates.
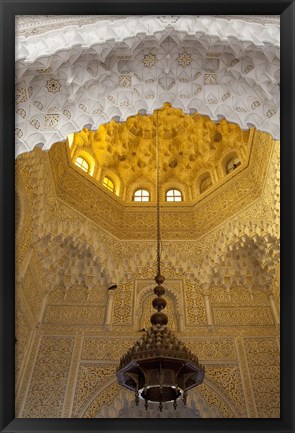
(213, 399)
(39, 105)
(246, 379)
(243, 316)
(233, 62)
(78, 315)
(264, 364)
(89, 379)
(125, 81)
(228, 378)
(67, 113)
(112, 348)
(149, 60)
(49, 380)
(20, 95)
(18, 132)
(238, 296)
(73, 376)
(248, 69)
(32, 293)
(21, 112)
(184, 59)
(105, 398)
(122, 310)
(76, 294)
(45, 70)
(35, 123)
(22, 334)
(212, 348)
(24, 386)
(210, 78)
(271, 112)
(83, 107)
(53, 85)
(51, 121)
(195, 307)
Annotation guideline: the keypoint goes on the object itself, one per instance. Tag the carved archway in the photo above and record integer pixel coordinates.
(193, 73)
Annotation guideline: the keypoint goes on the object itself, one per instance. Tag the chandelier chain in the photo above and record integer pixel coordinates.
(158, 197)
(159, 368)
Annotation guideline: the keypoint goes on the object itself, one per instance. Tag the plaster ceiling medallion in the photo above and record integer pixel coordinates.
(97, 72)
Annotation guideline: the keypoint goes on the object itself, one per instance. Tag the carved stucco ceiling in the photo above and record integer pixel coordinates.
(198, 214)
(88, 74)
(190, 146)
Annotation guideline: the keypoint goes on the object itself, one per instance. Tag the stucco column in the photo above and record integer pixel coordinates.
(42, 308)
(246, 378)
(109, 307)
(180, 322)
(73, 376)
(274, 308)
(215, 175)
(208, 306)
(22, 268)
(28, 368)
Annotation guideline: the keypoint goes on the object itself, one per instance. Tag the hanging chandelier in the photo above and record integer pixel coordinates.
(159, 368)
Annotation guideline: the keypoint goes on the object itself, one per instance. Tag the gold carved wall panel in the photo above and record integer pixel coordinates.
(32, 293)
(122, 309)
(49, 379)
(228, 378)
(74, 315)
(110, 348)
(263, 359)
(212, 348)
(101, 399)
(211, 397)
(195, 307)
(22, 335)
(243, 316)
(90, 378)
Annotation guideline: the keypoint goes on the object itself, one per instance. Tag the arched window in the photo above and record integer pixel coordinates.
(173, 195)
(82, 163)
(232, 164)
(205, 184)
(141, 195)
(108, 184)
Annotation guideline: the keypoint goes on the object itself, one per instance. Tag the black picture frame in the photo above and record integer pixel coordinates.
(10, 8)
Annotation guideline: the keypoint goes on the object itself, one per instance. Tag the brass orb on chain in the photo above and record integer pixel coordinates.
(159, 303)
(159, 279)
(159, 290)
(159, 319)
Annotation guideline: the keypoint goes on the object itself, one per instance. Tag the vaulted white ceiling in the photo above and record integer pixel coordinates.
(81, 72)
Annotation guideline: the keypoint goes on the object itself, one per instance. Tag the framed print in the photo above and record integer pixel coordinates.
(147, 196)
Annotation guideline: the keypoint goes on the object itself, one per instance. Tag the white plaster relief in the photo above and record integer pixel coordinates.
(211, 65)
